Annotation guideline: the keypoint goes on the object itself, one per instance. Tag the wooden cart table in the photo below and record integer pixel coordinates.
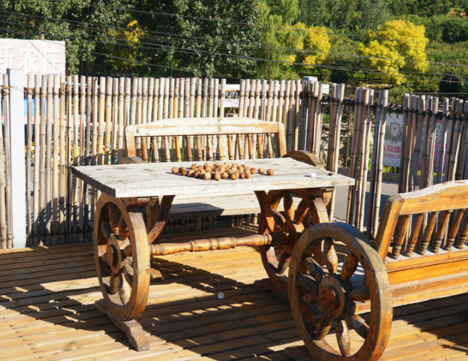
(126, 236)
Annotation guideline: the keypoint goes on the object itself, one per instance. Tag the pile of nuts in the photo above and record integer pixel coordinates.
(219, 171)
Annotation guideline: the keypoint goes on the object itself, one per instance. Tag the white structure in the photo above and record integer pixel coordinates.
(32, 56)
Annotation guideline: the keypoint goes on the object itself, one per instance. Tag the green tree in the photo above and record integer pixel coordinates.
(280, 39)
(201, 37)
(396, 46)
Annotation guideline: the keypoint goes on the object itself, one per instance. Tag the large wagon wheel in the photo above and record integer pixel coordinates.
(301, 209)
(321, 298)
(124, 281)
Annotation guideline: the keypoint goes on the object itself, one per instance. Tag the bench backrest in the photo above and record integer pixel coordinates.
(206, 138)
(434, 209)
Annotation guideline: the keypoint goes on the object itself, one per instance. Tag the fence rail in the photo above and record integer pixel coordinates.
(79, 120)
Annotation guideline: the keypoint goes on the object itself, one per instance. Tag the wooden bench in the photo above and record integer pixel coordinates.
(419, 254)
(207, 140)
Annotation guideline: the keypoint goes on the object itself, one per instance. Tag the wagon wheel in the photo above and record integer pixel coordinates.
(321, 298)
(300, 211)
(124, 280)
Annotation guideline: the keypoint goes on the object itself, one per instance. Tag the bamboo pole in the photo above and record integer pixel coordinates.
(432, 140)
(120, 117)
(274, 101)
(379, 164)
(297, 113)
(354, 161)
(70, 181)
(318, 119)
(49, 159)
(55, 168)
(102, 113)
(425, 154)
(417, 146)
(402, 181)
(455, 142)
(109, 86)
(37, 161)
(310, 115)
(365, 158)
(144, 114)
(94, 155)
(29, 200)
(156, 116)
(76, 154)
(149, 108)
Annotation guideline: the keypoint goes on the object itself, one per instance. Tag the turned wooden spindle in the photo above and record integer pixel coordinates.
(454, 230)
(414, 235)
(427, 233)
(400, 236)
(463, 236)
(441, 232)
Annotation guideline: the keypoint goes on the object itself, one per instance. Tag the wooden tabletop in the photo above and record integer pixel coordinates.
(156, 179)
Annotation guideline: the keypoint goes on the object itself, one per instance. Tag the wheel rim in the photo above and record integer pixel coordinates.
(124, 281)
(321, 298)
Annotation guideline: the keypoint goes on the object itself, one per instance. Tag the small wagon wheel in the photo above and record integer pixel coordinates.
(124, 281)
(301, 209)
(321, 298)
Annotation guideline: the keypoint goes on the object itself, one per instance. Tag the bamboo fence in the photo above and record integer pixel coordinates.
(77, 120)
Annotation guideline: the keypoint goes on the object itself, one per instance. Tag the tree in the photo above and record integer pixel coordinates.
(280, 39)
(315, 45)
(203, 38)
(396, 46)
(86, 26)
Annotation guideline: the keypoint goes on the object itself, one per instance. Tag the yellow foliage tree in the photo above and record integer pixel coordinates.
(315, 43)
(395, 46)
(130, 37)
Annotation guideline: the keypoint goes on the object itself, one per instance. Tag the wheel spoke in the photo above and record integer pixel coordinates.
(301, 212)
(310, 299)
(123, 229)
(308, 283)
(359, 294)
(331, 258)
(323, 327)
(314, 269)
(288, 204)
(278, 218)
(125, 290)
(114, 218)
(283, 262)
(359, 325)
(343, 338)
(349, 267)
(114, 283)
(106, 229)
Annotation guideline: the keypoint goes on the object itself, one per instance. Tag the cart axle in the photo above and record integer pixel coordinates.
(201, 245)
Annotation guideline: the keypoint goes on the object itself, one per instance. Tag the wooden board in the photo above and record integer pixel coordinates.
(156, 179)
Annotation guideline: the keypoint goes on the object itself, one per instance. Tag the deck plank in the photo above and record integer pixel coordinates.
(47, 311)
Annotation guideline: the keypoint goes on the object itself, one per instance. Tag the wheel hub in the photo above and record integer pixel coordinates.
(331, 297)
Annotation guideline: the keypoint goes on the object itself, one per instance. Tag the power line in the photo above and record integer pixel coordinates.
(291, 50)
(400, 74)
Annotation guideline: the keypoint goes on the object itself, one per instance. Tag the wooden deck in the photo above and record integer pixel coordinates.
(47, 311)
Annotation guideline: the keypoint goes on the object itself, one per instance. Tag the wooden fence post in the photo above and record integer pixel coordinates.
(17, 157)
